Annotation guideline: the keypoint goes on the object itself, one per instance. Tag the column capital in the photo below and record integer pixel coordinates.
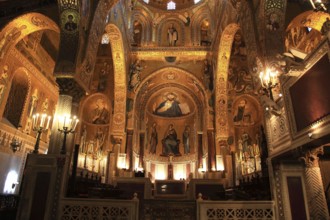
(310, 157)
(116, 139)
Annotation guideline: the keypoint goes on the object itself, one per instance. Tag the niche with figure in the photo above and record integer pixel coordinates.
(137, 34)
(94, 133)
(171, 34)
(205, 33)
(246, 124)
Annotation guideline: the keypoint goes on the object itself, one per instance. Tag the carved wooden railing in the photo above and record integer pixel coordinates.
(230, 210)
(98, 209)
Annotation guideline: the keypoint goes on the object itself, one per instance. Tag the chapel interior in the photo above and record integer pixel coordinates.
(165, 109)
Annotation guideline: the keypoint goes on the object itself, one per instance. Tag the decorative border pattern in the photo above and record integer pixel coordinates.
(263, 210)
(221, 77)
(120, 90)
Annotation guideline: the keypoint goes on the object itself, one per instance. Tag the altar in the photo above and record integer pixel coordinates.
(170, 189)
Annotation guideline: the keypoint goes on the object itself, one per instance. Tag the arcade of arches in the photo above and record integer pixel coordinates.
(170, 96)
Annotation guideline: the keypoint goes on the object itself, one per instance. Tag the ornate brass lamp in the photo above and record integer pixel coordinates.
(66, 125)
(268, 81)
(39, 125)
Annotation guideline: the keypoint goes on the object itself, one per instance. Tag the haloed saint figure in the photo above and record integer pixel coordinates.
(170, 107)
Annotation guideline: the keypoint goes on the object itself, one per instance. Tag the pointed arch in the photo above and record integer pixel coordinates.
(196, 21)
(144, 19)
(221, 77)
(120, 90)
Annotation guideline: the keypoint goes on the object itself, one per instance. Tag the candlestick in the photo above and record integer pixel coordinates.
(39, 128)
(67, 128)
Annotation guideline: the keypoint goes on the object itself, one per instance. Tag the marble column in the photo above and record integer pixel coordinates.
(200, 150)
(317, 203)
(129, 148)
(211, 150)
(141, 144)
(117, 141)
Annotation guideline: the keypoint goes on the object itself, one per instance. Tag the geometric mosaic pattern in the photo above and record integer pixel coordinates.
(239, 214)
(96, 212)
(236, 210)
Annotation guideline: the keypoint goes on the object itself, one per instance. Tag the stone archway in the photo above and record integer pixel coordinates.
(120, 89)
(221, 77)
(20, 27)
(178, 81)
(94, 38)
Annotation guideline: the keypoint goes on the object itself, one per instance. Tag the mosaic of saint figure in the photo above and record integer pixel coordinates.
(185, 138)
(169, 108)
(100, 114)
(172, 35)
(171, 142)
(153, 139)
(243, 113)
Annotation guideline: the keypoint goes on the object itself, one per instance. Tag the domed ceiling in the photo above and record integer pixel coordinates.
(178, 4)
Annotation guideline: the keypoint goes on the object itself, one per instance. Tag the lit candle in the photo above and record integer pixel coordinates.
(69, 123)
(37, 116)
(74, 127)
(64, 121)
(49, 117)
(43, 117)
(59, 120)
(34, 120)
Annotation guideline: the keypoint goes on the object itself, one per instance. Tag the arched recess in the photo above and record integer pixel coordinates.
(17, 97)
(196, 22)
(95, 121)
(158, 83)
(120, 81)
(172, 76)
(144, 18)
(20, 27)
(163, 28)
(221, 78)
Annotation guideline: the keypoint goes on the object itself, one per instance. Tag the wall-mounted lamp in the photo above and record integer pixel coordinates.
(66, 125)
(268, 81)
(15, 144)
